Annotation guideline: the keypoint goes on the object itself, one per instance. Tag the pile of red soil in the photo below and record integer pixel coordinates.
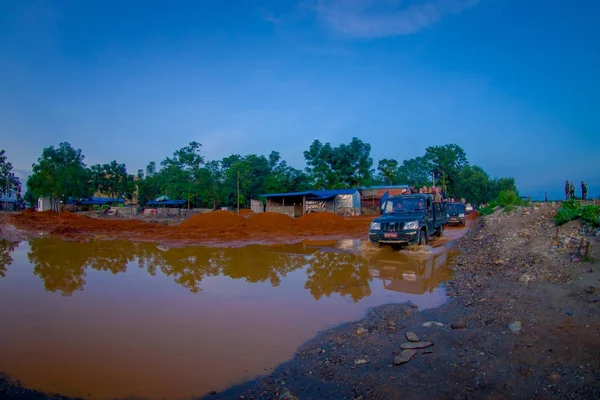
(215, 220)
(244, 212)
(269, 222)
(322, 220)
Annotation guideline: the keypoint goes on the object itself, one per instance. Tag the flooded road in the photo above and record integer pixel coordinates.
(110, 319)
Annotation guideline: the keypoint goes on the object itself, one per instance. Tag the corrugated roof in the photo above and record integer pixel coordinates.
(94, 201)
(313, 194)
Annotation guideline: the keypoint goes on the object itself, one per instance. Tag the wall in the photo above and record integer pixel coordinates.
(287, 210)
(256, 206)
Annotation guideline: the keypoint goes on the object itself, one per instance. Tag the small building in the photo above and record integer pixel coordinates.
(371, 196)
(296, 204)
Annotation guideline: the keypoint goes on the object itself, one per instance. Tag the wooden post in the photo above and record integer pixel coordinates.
(303, 205)
(238, 191)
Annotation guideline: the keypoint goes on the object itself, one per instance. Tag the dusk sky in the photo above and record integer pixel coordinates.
(515, 83)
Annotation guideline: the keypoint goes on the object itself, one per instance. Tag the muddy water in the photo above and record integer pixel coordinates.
(114, 319)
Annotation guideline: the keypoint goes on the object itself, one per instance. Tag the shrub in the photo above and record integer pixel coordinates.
(487, 210)
(591, 214)
(571, 210)
(508, 198)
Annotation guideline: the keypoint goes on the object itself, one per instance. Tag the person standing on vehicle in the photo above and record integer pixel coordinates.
(567, 189)
(583, 190)
(572, 190)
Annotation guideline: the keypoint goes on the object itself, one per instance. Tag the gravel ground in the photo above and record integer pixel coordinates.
(523, 322)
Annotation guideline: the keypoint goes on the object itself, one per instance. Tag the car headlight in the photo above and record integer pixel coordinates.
(462, 215)
(447, 215)
(411, 225)
(375, 226)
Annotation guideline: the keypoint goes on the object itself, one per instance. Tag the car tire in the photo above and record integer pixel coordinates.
(422, 241)
(439, 232)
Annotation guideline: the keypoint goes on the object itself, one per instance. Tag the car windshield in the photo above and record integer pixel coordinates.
(404, 205)
(456, 207)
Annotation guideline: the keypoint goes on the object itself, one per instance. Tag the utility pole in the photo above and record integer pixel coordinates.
(238, 191)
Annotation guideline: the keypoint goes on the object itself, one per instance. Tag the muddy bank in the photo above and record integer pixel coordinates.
(523, 322)
(216, 228)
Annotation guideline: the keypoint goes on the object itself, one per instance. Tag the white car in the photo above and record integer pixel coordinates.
(469, 208)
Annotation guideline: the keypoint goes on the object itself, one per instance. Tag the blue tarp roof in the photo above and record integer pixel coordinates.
(313, 194)
(166, 203)
(94, 201)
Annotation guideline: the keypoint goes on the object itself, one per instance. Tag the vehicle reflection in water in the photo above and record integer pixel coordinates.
(111, 323)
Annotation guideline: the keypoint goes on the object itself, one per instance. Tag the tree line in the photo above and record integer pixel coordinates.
(60, 172)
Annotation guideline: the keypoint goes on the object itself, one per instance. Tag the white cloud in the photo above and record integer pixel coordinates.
(380, 18)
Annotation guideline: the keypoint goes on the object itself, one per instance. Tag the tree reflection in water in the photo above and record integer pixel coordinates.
(6, 248)
(62, 264)
(333, 272)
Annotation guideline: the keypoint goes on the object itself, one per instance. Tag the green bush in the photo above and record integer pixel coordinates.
(591, 215)
(571, 210)
(487, 210)
(509, 198)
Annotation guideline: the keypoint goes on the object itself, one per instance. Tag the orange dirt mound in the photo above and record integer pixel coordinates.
(269, 221)
(214, 220)
(28, 211)
(321, 220)
(245, 212)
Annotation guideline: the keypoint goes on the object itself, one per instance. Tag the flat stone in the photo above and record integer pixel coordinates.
(361, 331)
(417, 345)
(412, 337)
(515, 326)
(432, 323)
(459, 325)
(361, 361)
(404, 356)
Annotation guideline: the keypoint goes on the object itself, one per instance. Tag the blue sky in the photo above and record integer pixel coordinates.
(515, 83)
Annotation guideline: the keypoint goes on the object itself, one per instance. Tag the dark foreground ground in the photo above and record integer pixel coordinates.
(523, 322)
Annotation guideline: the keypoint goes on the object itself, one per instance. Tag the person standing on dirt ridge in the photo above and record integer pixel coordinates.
(583, 190)
(567, 189)
(572, 190)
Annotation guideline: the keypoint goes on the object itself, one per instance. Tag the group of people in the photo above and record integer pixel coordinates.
(438, 194)
(570, 190)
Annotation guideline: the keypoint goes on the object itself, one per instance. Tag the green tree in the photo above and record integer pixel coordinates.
(186, 161)
(388, 171)
(474, 184)
(5, 173)
(415, 172)
(318, 165)
(60, 173)
(352, 163)
(348, 165)
(112, 180)
(446, 162)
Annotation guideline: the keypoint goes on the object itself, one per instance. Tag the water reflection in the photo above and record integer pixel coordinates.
(232, 314)
(6, 248)
(333, 272)
(62, 265)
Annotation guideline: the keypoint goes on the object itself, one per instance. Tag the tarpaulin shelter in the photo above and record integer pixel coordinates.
(295, 204)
